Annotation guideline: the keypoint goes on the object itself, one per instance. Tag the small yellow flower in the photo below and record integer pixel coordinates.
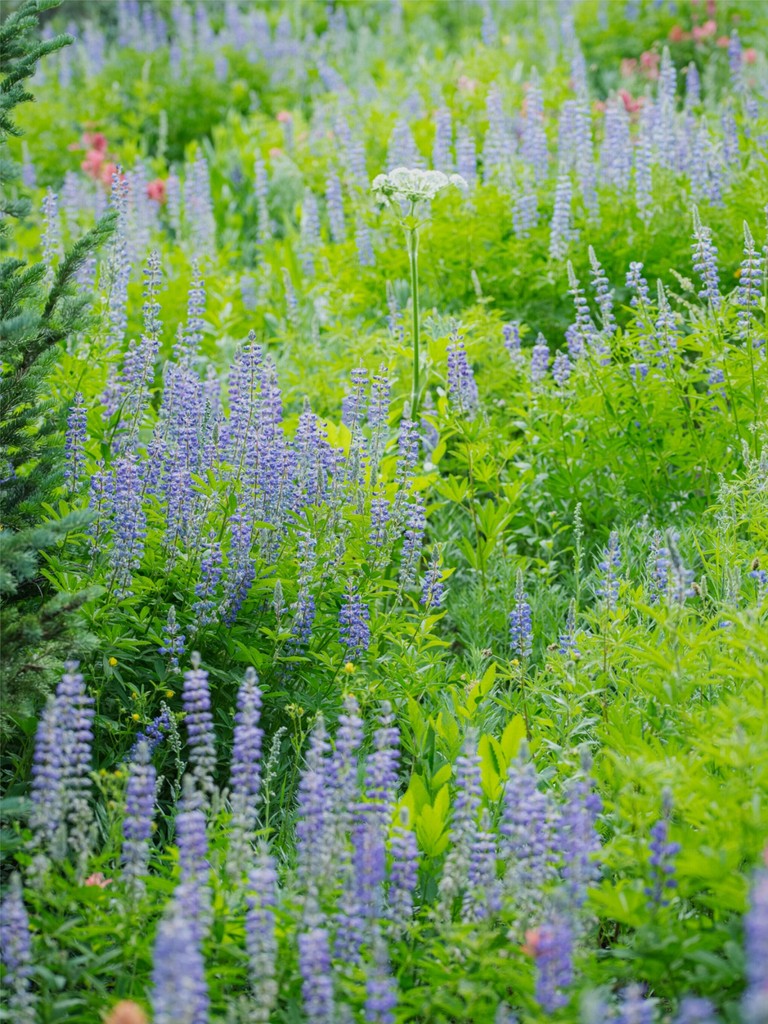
(515, 662)
(113, 662)
(169, 693)
(349, 668)
(136, 717)
(134, 696)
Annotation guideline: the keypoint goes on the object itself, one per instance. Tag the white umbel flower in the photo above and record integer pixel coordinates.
(414, 185)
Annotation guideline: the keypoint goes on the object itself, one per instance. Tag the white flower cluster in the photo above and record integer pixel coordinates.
(414, 185)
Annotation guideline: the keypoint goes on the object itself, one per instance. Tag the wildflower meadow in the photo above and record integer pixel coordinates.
(384, 512)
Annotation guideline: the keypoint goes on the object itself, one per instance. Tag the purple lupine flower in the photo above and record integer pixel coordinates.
(16, 955)
(735, 60)
(119, 263)
(520, 623)
(658, 568)
(354, 402)
(483, 894)
(196, 698)
(187, 349)
(198, 207)
(466, 156)
(662, 864)
(413, 537)
(179, 990)
(311, 450)
(194, 892)
(381, 769)
(664, 330)
(638, 284)
(174, 641)
(241, 570)
(705, 261)
(310, 232)
(489, 30)
(585, 163)
(692, 87)
(139, 363)
(539, 359)
(525, 210)
(567, 643)
(342, 777)
(365, 255)
(755, 1000)
(635, 1007)
(693, 1010)
(61, 811)
(72, 198)
(643, 162)
(603, 294)
(380, 986)
(312, 855)
(137, 822)
(679, 578)
(561, 368)
(355, 632)
(205, 608)
(616, 150)
(583, 338)
(442, 159)
(527, 833)
(304, 606)
(378, 415)
(47, 815)
(408, 455)
(128, 523)
(153, 735)
(497, 142)
(260, 938)
(74, 449)
(578, 839)
(552, 946)
(403, 876)
(462, 389)
(380, 514)
(334, 201)
(402, 150)
(511, 336)
(75, 710)
(28, 171)
(52, 248)
(316, 977)
(560, 231)
(432, 589)
(750, 282)
(362, 905)
(466, 807)
(533, 143)
(245, 773)
(609, 567)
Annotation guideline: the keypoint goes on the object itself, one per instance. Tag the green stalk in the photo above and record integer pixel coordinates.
(412, 235)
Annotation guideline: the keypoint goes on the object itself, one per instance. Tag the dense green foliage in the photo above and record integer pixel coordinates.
(181, 475)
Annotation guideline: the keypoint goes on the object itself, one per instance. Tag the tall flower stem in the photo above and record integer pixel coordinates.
(412, 237)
